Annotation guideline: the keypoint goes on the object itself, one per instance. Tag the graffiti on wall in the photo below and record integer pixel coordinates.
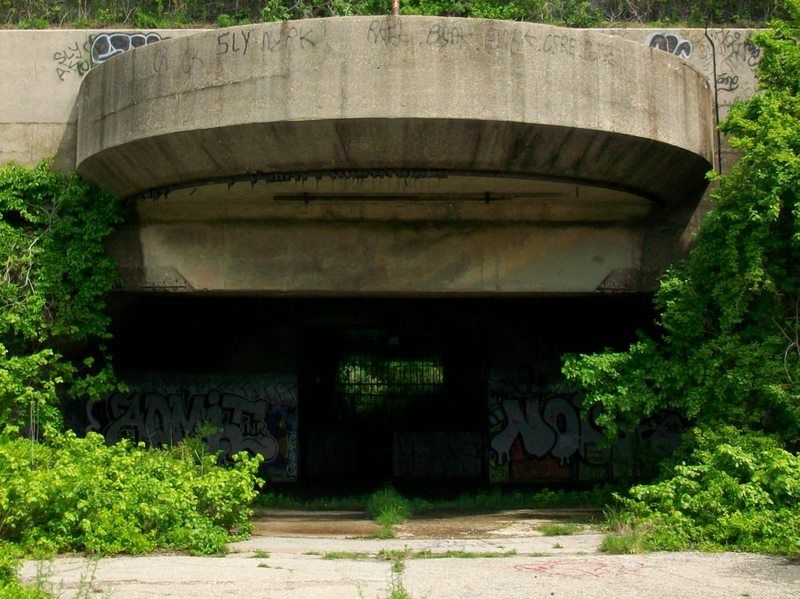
(669, 42)
(79, 57)
(106, 45)
(439, 454)
(259, 416)
(74, 58)
(538, 433)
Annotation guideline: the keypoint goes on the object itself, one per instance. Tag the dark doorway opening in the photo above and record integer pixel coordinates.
(388, 403)
(358, 391)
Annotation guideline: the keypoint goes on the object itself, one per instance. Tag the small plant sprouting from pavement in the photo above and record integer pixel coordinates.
(389, 509)
(260, 554)
(556, 530)
(354, 555)
(395, 555)
(626, 535)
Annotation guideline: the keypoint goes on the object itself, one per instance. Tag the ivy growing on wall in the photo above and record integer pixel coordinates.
(730, 315)
(728, 356)
(54, 275)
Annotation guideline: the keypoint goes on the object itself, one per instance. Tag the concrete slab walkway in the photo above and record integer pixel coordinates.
(297, 564)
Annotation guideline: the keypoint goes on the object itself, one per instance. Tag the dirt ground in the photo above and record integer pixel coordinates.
(296, 553)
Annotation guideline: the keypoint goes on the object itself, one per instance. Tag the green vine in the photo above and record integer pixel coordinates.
(54, 275)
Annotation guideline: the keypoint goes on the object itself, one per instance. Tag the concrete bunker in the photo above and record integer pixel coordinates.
(361, 245)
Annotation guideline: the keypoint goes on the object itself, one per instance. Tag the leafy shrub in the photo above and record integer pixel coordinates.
(578, 13)
(79, 494)
(728, 352)
(54, 275)
(734, 490)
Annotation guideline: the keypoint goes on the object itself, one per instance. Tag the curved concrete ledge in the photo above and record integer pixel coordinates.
(460, 95)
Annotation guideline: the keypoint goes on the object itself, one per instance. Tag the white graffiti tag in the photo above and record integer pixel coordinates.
(106, 45)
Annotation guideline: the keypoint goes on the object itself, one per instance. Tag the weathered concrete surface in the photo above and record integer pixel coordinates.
(466, 95)
(564, 566)
(293, 574)
(389, 235)
(370, 257)
(42, 72)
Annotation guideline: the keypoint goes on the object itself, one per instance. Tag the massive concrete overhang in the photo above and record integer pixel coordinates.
(354, 96)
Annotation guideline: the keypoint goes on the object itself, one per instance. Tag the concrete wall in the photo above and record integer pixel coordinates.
(42, 72)
(538, 237)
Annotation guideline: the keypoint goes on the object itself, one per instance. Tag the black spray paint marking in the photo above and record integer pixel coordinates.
(669, 42)
(233, 41)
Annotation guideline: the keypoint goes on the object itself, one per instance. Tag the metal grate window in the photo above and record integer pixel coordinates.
(384, 385)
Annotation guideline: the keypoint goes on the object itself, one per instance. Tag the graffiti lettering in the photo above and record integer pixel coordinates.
(559, 44)
(600, 53)
(288, 37)
(753, 53)
(233, 41)
(581, 570)
(73, 59)
(669, 42)
(727, 82)
(161, 61)
(502, 39)
(507, 421)
(389, 32)
(106, 45)
(260, 418)
(189, 59)
(539, 433)
(734, 50)
(445, 35)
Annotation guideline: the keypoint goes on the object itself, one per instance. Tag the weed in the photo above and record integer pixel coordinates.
(86, 583)
(626, 534)
(354, 555)
(260, 554)
(397, 590)
(263, 565)
(556, 530)
(623, 543)
(406, 553)
(398, 566)
(395, 554)
(388, 508)
(558, 546)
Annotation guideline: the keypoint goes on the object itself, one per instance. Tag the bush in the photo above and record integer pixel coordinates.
(54, 275)
(79, 494)
(579, 13)
(734, 490)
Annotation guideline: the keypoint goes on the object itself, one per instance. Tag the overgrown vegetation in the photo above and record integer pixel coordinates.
(224, 13)
(54, 276)
(79, 494)
(59, 492)
(729, 355)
